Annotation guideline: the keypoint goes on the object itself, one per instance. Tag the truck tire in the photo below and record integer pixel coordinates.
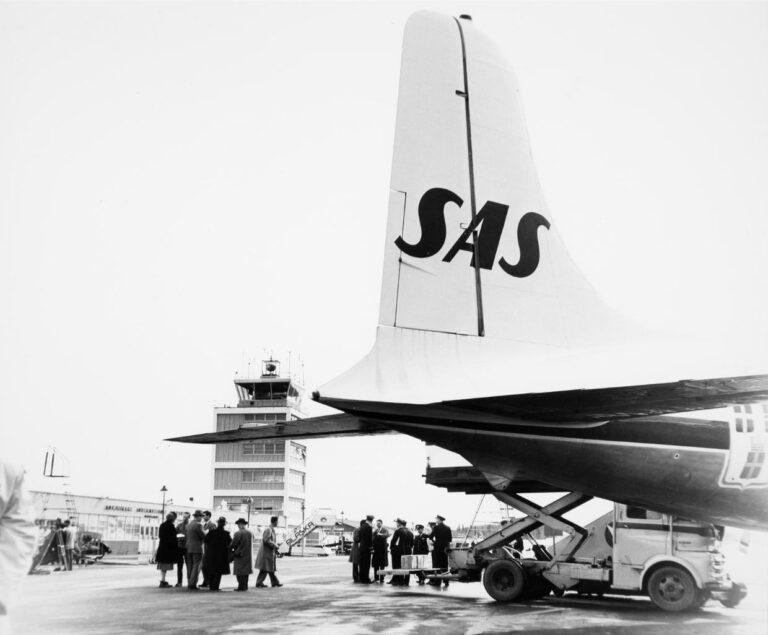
(504, 580)
(672, 588)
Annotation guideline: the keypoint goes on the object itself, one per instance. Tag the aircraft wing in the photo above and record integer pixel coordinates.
(336, 425)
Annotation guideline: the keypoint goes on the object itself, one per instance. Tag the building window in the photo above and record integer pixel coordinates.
(263, 476)
(298, 453)
(263, 448)
(297, 479)
(259, 417)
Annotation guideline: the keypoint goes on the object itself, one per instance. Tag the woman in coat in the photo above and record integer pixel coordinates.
(167, 548)
(241, 549)
(266, 561)
(354, 553)
(216, 555)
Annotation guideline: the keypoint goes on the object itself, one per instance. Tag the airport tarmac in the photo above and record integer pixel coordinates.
(319, 596)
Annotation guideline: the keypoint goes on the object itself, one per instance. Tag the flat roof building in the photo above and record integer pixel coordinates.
(261, 478)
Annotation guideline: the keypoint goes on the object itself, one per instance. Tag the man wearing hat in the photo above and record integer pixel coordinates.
(401, 544)
(242, 552)
(441, 539)
(420, 548)
(195, 536)
(379, 560)
(266, 561)
(365, 547)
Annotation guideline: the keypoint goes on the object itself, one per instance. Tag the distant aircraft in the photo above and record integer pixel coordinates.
(493, 345)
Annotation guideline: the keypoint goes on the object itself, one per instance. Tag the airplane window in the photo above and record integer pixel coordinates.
(739, 426)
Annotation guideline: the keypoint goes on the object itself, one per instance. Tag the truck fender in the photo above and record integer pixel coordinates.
(656, 561)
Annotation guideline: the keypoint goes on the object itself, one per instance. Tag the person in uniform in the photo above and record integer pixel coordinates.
(241, 549)
(354, 553)
(441, 539)
(379, 560)
(420, 548)
(216, 554)
(402, 542)
(266, 561)
(208, 525)
(195, 535)
(167, 549)
(364, 552)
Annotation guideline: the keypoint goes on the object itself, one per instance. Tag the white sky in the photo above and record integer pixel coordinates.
(184, 185)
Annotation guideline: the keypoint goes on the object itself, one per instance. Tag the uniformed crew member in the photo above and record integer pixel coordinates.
(379, 560)
(364, 553)
(420, 548)
(441, 539)
(401, 545)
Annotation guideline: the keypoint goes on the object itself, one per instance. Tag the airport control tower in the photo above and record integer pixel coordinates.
(263, 478)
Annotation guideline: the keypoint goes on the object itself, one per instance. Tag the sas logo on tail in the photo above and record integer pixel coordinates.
(488, 223)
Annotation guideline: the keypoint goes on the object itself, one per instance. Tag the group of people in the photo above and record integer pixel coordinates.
(370, 545)
(208, 548)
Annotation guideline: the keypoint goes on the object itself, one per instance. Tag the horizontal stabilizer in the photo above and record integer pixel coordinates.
(337, 425)
(470, 480)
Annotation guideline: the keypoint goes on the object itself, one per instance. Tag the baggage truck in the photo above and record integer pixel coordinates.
(629, 551)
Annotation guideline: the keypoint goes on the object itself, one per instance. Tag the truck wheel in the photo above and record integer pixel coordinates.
(504, 580)
(672, 588)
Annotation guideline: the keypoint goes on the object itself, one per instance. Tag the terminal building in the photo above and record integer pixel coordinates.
(260, 479)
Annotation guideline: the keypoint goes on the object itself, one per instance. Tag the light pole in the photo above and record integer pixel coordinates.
(302, 528)
(163, 489)
(249, 500)
(341, 540)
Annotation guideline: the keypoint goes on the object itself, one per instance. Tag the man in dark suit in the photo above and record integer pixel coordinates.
(364, 555)
(441, 539)
(402, 542)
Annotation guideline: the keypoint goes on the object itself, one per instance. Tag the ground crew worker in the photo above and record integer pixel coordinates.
(420, 548)
(401, 545)
(441, 537)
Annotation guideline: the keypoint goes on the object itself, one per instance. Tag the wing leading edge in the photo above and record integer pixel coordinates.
(336, 425)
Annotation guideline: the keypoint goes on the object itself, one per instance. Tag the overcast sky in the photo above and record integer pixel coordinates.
(184, 186)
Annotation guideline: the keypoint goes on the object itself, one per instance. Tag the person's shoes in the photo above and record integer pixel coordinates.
(178, 584)
(214, 589)
(192, 588)
(390, 582)
(278, 584)
(204, 585)
(164, 584)
(261, 586)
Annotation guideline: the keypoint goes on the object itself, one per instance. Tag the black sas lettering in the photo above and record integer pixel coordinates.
(487, 225)
(492, 216)
(432, 221)
(529, 246)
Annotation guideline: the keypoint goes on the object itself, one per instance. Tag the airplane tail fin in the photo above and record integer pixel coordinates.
(471, 248)
(474, 265)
